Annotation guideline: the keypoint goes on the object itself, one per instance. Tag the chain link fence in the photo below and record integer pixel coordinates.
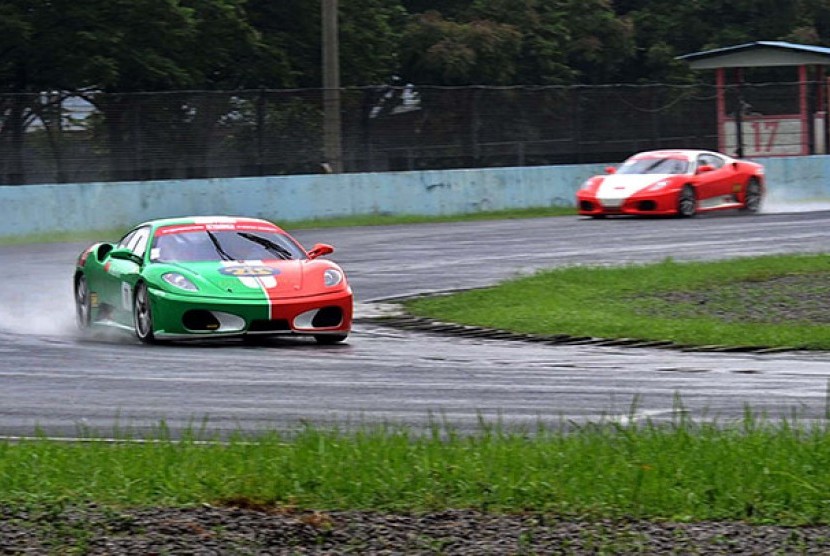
(95, 136)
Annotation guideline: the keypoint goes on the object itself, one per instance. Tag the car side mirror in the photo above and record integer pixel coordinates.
(705, 168)
(124, 254)
(319, 250)
(610, 170)
(103, 250)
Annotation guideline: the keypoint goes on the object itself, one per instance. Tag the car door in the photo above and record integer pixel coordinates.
(120, 275)
(716, 182)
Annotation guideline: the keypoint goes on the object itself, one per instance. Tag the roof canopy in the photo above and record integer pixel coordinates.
(759, 54)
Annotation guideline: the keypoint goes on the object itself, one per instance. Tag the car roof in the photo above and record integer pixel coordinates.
(675, 153)
(184, 220)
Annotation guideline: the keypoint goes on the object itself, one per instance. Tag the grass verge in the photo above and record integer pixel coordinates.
(350, 221)
(751, 470)
(770, 301)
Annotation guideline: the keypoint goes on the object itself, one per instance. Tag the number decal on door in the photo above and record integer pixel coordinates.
(126, 296)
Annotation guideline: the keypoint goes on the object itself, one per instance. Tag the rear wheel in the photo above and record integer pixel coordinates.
(752, 196)
(686, 202)
(83, 306)
(329, 339)
(143, 315)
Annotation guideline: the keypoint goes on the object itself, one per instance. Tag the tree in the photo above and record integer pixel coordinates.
(117, 47)
(665, 29)
(453, 10)
(545, 36)
(564, 41)
(230, 53)
(813, 22)
(369, 36)
(509, 42)
(441, 52)
(370, 32)
(161, 45)
(601, 42)
(40, 52)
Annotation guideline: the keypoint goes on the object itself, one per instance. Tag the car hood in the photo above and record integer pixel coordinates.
(621, 186)
(253, 279)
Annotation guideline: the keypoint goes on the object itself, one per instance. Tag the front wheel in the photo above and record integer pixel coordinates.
(686, 202)
(143, 314)
(329, 339)
(83, 305)
(752, 197)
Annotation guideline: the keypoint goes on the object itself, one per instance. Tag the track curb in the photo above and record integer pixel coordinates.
(396, 317)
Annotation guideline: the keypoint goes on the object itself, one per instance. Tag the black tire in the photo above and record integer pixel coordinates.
(329, 339)
(143, 314)
(83, 305)
(753, 195)
(687, 202)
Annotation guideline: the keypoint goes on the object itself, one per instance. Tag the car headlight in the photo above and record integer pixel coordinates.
(179, 281)
(655, 186)
(332, 277)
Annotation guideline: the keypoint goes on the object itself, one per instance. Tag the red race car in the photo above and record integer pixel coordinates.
(678, 182)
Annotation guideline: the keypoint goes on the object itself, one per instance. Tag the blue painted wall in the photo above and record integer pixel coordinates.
(59, 208)
(797, 178)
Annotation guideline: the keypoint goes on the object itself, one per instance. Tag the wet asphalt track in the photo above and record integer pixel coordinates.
(52, 379)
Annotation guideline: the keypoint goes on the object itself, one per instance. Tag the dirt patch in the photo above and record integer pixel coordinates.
(803, 299)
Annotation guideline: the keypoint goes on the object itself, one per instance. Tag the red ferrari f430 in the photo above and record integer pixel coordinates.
(681, 182)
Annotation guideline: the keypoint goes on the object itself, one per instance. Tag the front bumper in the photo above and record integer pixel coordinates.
(658, 204)
(188, 316)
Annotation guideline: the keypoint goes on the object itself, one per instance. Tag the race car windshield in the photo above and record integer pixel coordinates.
(654, 166)
(224, 245)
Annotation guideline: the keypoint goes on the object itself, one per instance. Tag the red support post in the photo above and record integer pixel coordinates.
(803, 109)
(720, 81)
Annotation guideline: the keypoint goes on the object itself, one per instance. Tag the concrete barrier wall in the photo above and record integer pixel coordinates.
(36, 209)
(795, 179)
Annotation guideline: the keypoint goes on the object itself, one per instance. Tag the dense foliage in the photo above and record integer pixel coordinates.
(154, 45)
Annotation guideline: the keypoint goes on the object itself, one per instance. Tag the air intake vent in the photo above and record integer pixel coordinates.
(199, 319)
(327, 316)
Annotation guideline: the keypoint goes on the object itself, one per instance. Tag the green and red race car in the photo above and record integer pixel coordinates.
(202, 277)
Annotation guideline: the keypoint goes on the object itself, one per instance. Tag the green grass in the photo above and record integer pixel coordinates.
(765, 301)
(349, 221)
(391, 219)
(750, 470)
